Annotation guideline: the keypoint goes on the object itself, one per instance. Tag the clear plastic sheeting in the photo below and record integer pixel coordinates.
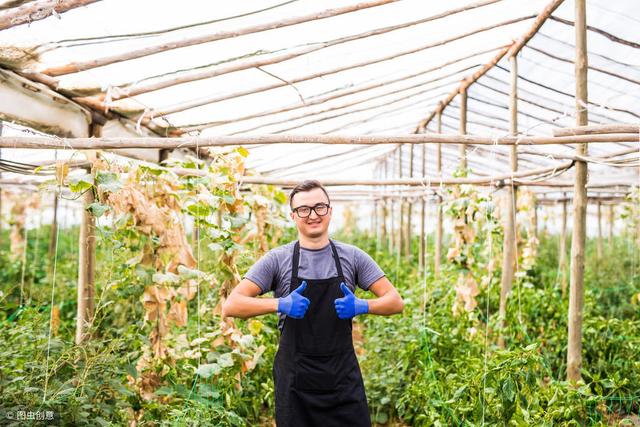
(361, 72)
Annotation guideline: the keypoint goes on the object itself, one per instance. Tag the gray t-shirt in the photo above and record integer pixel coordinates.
(272, 272)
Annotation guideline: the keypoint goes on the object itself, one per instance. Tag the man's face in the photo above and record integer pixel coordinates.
(314, 225)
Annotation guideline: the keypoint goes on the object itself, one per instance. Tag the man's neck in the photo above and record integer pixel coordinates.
(314, 242)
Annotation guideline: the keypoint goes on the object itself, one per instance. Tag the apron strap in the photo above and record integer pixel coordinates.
(337, 260)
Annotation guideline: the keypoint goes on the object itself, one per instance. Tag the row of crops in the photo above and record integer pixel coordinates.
(172, 243)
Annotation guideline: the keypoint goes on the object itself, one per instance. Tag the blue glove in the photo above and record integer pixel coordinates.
(350, 306)
(294, 304)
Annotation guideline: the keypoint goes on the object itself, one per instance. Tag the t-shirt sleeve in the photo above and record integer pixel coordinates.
(264, 272)
(367, 270)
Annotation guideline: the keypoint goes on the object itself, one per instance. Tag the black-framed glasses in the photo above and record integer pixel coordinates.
(321, 209)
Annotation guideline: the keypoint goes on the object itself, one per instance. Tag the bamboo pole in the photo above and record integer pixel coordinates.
(597, 130)
(37, 10)
(76, 67)
(509, 248)
(599, 246)
(37, 142)
(409, 209)
(86, 271)
(562, 258)
(392, 240)
(576, 284)
(385, 207)
(610, 218)
(439, 219)
(402, 205)
(423, 205)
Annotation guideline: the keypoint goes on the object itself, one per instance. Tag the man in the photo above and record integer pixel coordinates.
(316, 372)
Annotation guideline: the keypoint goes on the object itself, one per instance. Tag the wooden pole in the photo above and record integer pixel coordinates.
(35, 11)
(610, 218)
(385, 207)
(576, 284)
(599, 250)
(463, 129)
(46, 143)
(86, 271)
(423, 206)
(437, 256)
(402, 205)
(562, 257)
(509, 248)
(392, 239)
(409, 209)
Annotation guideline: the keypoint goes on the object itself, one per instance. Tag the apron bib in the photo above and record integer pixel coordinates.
(316, 372)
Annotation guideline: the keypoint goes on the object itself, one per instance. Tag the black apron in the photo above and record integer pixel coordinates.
(316, 372)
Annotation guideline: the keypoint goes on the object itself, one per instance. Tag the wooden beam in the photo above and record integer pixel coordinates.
(576, 283)
(598, 130)
(75, 67)
(37, 10)
(220, 141)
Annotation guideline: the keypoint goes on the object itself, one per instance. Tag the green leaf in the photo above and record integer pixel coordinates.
(108, 182)
(80, 184)
(280, 197)
(205, 371)
(243, 151)
(131, 370)
(200, 209)
(97, 209)
(509, 390)
(228, 199)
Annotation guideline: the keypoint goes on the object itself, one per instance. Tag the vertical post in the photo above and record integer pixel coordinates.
(576, 282)
(409, 208)
(385, 210)
(392, 229)
(402, 201)
(562, 257)
(599, 239)
(86, 270)
(610, 218)
(423, 207)
(0, 192)
(509, 249)
(437, 256)
(463, 128)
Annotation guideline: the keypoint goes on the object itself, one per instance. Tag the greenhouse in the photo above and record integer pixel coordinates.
(191, 195)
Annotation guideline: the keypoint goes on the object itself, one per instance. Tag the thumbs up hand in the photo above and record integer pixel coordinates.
(350, 306)
(294, 304)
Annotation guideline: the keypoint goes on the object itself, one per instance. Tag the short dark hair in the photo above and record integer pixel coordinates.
(307, 185)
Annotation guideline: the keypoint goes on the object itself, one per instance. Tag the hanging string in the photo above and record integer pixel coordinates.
(53, 291)
(24, 257)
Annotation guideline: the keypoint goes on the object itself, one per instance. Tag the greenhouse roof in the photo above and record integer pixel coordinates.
(331, 68)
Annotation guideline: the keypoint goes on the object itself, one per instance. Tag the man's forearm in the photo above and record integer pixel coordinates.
(243, 306)
(389, 303)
